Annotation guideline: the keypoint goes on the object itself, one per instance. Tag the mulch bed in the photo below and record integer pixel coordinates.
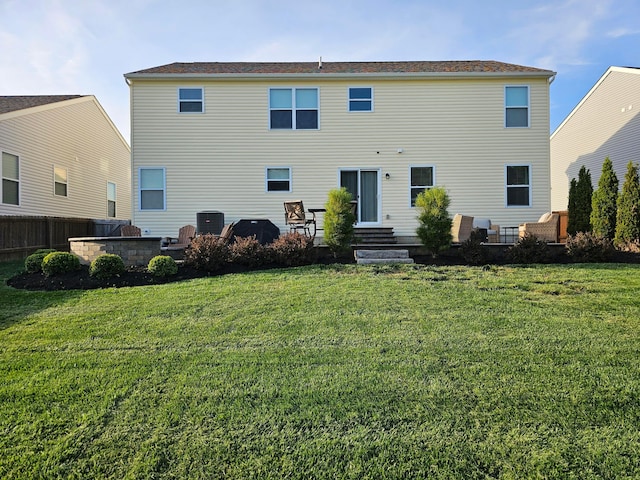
(138, 276)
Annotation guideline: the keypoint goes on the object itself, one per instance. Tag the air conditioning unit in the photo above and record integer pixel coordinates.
(210, 222)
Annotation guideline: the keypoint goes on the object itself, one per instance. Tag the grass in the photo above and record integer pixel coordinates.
(327, 372)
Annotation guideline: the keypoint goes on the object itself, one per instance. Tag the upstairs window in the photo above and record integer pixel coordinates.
(10, 179)
(516, 101)
(190, 100)
(360, 99)
(293, 108)
(278, 179)
(60, 181)
(421, 178)
(111, 199)
(518, 185)
(152, 188)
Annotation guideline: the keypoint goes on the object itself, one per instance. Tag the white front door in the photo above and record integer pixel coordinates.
(364, 185)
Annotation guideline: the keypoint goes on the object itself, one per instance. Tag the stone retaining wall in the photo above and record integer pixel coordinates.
(134, 251)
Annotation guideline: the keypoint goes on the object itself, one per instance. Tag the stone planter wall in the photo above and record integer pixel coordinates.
(134, 251)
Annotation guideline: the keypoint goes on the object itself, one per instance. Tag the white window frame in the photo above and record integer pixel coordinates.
(9, 179)
(294, 107)
(164, 189)
(65, 183)
(180, 100)
(115, 199)
(527, 106)
(507, 186)
(425, 187)
(349, 99)
(266, 179)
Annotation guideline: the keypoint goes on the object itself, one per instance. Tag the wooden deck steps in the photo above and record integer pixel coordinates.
(367, 257)
(379, 236)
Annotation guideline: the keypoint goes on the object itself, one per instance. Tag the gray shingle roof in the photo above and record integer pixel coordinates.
(13, 103)
(293, 68)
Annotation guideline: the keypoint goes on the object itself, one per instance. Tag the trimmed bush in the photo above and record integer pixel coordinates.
(55, 263)
(33, 263)
(248, 251)
(586, 247)
(207, 253)
(106, 266)
(293, 250)
(628, 217)
(605, 203)
(473, 251)
(434, 228)
(528, 249)
(162, 266)
(338, 221)
(580, 203)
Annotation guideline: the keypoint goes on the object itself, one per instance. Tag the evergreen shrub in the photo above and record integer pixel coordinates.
(528, 249)
(338, 221)
(55, 263)
(162, 266)
(106, 266)
(434, 229)
(33, 263)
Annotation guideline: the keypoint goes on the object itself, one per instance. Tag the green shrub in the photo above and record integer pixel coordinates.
(55, 263)
(434, 228)
(628, 216)
(580, 203)
(605, 203)
(292, 250)
(207, 252)
(338, 221)
(162, 266)
(106, 266)
(528, 249)
(586, 247)
(248, 251)
(473, 251)
(33, 263)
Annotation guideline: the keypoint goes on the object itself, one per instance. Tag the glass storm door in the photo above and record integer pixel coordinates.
(364, 185)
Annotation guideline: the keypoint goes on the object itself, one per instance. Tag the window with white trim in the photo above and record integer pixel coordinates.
(518, 185)
(152, 188)
(516, 104)
(278, 179)
(360, 99)
(10, 179)
(60, 181)
(293, 108)
(190, 100)
(421, 178)
(111, 199)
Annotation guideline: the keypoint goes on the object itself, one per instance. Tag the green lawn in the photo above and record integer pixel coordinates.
(327, 372)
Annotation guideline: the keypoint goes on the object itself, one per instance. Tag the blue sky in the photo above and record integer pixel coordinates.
(85, 46)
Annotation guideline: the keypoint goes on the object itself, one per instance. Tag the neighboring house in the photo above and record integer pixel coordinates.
(606, 123)
(241, 138)
(62, 156)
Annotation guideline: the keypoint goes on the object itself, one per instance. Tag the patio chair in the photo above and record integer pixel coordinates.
(130, 231)
(545, 229)
(226, 234)
(461, 228)
(185, 235)
(296, 219)
(492, 231)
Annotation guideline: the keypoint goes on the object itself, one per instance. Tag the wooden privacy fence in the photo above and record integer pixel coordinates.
(21, 235)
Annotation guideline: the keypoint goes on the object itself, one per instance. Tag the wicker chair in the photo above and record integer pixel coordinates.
(130, 231)
(461, 228)
(545, 229)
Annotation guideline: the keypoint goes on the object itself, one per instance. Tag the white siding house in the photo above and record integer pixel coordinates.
(62, 156)
(241, 138)
(606, 123)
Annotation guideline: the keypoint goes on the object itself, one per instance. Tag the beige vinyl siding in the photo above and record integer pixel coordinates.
(74, 135)
(217, 160)
(604, 124)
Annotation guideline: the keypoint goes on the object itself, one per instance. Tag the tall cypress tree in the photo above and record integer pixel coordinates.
(628, 218)
(605, 201)
(580, 198)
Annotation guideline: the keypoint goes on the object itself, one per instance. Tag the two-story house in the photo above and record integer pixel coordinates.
(242, 138)
(62, 156)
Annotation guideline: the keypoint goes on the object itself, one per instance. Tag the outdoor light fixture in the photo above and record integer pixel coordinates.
(387, 176)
